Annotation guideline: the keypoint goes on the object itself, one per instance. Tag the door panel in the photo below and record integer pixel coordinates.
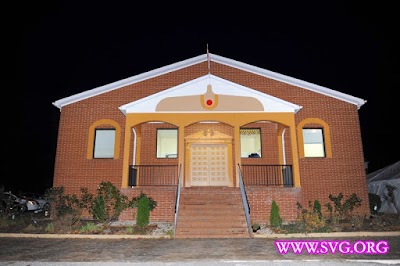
(208, 166)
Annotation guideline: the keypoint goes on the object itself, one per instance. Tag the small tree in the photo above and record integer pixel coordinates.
(275, 217)
(145, 205)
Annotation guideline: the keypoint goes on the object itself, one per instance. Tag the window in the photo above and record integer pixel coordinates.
(104, 142)
(167, 143)
(313, 142)
(250, 142)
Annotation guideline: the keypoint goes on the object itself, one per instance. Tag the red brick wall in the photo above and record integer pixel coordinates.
(165, 198)
(260, 201)
(344, 172)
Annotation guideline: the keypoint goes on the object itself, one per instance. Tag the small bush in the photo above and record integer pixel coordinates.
(143, 213)
(50, 228)
(98, 209)
(310, 219)
(90, 228)
(130, 230)
(275, 218)
(374, 203)
(109, 203)
(341, 211)
(145, 205)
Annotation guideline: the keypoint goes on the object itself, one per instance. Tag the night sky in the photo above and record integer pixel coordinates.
(60, 48)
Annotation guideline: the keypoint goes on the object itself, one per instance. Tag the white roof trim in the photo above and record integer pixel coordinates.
(199, 86)
(218, 59)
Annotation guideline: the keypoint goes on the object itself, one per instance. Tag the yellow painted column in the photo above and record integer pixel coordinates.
(138, 150)
(295, 154)
(181, 152)
(236, 140)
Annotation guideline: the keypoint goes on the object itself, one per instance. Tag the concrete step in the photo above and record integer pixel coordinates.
(211, 213)
(211, 224)
(212, 231)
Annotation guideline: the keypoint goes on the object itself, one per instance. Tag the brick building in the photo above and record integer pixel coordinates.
(207, 127)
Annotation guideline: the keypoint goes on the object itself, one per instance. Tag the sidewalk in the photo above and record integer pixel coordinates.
(267, 236)
(98, 249)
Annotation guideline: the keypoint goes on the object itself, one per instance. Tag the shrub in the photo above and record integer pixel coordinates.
(91, 228)
(317, 208)
(145, 205)
(340, 210)
(275, 218)
(109, 203)
(311, 220)
(98, 209)
(50, 228)
(62, 204)
(143, 213)
(374, 203)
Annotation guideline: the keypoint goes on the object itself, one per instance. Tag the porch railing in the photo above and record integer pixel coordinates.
(267, 175)
(153, 175)
(253, 175)
(245, 201)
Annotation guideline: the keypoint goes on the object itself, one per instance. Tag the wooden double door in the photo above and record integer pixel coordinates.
(209, 164)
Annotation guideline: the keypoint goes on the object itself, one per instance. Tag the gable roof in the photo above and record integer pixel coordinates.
(215, 58)
(198, 86)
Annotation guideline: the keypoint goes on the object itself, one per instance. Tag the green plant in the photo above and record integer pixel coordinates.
(129, 230)
(317, 208)
(374, 203)
(109, 203)
(145, 205)
(98, 209)
(170, 233)
(50, 228)
(255, 227)
(340, 210)
(62, 204)
(90, 228)
(143, 213)
(275, 218)
(310, 219)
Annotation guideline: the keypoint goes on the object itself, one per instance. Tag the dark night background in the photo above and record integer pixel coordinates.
(60, 48)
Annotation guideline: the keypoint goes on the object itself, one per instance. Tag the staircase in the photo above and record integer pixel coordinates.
(211, 212)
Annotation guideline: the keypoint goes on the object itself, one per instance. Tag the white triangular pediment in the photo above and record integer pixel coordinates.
(198, 87)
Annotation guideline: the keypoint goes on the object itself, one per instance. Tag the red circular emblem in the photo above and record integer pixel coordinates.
(209, 102)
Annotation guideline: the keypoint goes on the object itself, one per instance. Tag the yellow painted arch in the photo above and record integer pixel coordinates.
(92, 129)
(326, 131)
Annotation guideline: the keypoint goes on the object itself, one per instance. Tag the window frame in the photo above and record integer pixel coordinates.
(260, 134)
(323, 143)
(177, 141)
(94, 142)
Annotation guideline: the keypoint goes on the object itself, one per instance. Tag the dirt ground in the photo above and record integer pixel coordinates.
(38, 223)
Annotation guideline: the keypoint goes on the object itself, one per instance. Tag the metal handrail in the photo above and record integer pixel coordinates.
(245, 201)
(177, 199)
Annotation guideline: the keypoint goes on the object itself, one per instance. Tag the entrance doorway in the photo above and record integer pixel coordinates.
(209, 164)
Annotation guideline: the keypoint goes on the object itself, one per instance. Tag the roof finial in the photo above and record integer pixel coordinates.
(208, 61)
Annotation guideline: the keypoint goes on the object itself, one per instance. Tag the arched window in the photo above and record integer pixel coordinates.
(314, 139)
(104, 140)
